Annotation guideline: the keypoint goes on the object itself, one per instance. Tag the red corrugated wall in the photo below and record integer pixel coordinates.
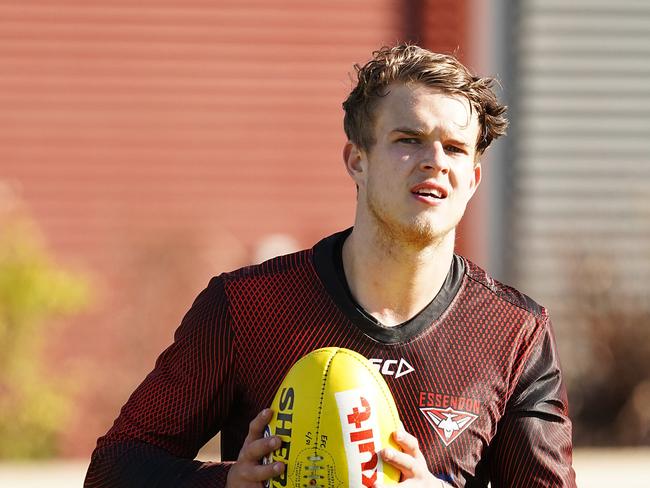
(137, 117)
(157, 142)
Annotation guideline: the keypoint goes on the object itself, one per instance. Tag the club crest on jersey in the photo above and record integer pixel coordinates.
(448, 423)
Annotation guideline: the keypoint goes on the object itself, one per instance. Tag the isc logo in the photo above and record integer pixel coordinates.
(392, 367)
(360, 437)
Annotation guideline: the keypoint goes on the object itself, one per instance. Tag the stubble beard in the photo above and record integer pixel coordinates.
(418, 233)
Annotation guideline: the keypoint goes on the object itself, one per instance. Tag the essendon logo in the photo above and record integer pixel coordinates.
(449, 415)
(360, 437)
(448, 423)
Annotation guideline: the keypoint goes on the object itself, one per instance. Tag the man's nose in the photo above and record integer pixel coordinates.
(435, 159)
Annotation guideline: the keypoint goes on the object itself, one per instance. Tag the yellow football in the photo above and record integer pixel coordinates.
(334, 413)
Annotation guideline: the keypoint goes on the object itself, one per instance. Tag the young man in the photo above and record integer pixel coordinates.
(472, 363)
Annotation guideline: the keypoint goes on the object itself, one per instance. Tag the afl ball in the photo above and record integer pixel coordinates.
(333, 413)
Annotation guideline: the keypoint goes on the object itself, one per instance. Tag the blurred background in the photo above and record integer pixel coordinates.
(147, 145)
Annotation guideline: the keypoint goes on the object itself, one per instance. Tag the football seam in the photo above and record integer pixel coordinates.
(373, 373)
(320, 402)
(322, 394)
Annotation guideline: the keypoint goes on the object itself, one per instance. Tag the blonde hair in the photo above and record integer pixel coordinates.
(407, 63)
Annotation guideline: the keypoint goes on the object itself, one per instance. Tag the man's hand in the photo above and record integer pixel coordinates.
(410, 462)
(248, 471)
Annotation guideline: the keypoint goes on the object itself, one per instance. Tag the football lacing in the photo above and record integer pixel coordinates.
(313, 475)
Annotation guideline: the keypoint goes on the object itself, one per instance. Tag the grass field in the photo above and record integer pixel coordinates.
(595, 468)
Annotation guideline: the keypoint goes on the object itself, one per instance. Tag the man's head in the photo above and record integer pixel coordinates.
(412, 64)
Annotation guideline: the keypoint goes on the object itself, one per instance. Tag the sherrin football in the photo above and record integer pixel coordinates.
(333, 413)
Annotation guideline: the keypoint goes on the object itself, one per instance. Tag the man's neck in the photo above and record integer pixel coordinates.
(393, 281)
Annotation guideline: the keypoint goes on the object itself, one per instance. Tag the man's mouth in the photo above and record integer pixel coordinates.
(430, 190)
(429, 193)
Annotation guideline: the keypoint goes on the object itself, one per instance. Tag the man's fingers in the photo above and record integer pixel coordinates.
(249, 470)
(257, 449)
(261, 472)
(410, 462)
(408, 443)
(257, 425)
(246, 473)
(401, 460)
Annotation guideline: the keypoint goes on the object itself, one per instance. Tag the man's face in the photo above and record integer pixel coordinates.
(416, 180)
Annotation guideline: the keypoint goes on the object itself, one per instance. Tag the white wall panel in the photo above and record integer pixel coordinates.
(581, 146)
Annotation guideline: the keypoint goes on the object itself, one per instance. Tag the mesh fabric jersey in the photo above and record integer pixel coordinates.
(475, 376)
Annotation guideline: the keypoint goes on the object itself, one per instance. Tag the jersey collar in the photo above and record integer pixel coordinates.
(328, 262)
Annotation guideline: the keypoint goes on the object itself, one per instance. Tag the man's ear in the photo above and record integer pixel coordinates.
(476, 177)
(353, 158)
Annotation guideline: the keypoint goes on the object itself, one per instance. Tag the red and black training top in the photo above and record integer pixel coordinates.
(475, 376)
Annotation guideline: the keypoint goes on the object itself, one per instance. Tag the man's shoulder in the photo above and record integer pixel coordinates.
(299, 263)
(295, 262)
(501, 291)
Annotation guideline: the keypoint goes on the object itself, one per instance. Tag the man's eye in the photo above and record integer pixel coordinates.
(408, 140)
(454, 149)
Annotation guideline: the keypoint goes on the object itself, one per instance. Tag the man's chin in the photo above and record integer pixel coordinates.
(419, 231)
(421, 235)
(424, 237)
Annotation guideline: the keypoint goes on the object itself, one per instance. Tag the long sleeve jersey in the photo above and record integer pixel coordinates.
(475, 376)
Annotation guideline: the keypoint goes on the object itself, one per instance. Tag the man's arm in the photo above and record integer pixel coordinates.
(533, 446)
(176, 410)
